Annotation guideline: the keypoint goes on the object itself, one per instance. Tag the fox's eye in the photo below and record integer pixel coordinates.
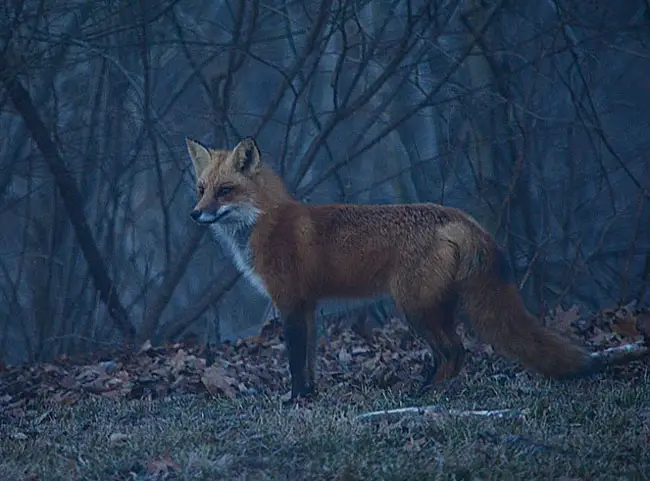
(201, 190)
(224, 191)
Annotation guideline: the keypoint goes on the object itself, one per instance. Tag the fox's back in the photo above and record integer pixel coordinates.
(352, 250)
(388, 223)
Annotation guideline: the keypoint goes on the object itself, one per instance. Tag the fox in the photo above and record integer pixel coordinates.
(429, 258)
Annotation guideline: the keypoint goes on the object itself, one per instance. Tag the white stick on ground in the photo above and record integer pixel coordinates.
(622, 354)
(437, 411)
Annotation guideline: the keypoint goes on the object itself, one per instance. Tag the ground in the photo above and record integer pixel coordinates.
(162, 414)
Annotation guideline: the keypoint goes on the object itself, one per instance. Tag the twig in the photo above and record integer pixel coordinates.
(438, 412)
(622, 354)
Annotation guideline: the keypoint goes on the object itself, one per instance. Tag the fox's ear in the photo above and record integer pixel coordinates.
(246, 156)
(200, 155)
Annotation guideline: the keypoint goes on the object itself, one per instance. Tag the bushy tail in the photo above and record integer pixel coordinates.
(498, 313)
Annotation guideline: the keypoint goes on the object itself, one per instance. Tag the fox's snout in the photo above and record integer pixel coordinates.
(208, 210)
(195, 215)
(203, 217)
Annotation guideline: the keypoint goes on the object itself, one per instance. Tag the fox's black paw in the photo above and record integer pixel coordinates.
(449, 387)
(429, 374)
(424, 388)
(305, 394)
(446, 387)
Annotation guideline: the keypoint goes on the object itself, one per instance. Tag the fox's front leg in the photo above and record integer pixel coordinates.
(298, 334)
(310, 370)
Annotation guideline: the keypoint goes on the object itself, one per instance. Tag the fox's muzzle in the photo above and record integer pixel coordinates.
(203, 217)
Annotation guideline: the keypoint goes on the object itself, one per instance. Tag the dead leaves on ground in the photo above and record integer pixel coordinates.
(392, 359)
(607, 328)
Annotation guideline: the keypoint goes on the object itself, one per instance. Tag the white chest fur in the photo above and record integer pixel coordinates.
(236, 238)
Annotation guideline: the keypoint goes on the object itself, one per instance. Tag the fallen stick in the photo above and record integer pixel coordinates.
(621, 354)
(437, 411)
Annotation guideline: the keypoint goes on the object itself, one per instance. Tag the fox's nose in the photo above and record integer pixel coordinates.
(195, 214)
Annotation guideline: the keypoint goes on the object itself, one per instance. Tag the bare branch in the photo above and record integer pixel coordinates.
(196, 310)
(171, 280)
(70, 195)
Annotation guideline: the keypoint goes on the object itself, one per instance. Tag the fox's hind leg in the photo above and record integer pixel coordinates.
(425, 290)
(436, 326)
(429, 310)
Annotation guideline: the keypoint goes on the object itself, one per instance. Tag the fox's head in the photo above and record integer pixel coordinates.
(226, 183)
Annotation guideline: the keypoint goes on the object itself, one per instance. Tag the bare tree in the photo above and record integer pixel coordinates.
(529, 115)
(70, 195)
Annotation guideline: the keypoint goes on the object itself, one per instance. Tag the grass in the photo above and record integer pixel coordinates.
(596, 429)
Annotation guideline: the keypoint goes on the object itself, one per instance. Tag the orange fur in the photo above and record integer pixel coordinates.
(428, 257)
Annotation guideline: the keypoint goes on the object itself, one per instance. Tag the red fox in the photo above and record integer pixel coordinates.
(428, 257)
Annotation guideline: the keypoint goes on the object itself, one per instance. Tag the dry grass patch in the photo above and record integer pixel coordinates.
(596, 429)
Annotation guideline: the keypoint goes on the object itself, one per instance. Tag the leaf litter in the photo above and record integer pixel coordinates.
(386, 357)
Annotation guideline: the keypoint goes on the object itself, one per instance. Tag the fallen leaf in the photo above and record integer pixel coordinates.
(162, 466)
(625, 325)
(146, 346)
(563, 320)
(214, 379)
(225, 461)
(118, 439)
(178, 361)
(602, 338)
(66, 397)
(415, 444)
(344, 356)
